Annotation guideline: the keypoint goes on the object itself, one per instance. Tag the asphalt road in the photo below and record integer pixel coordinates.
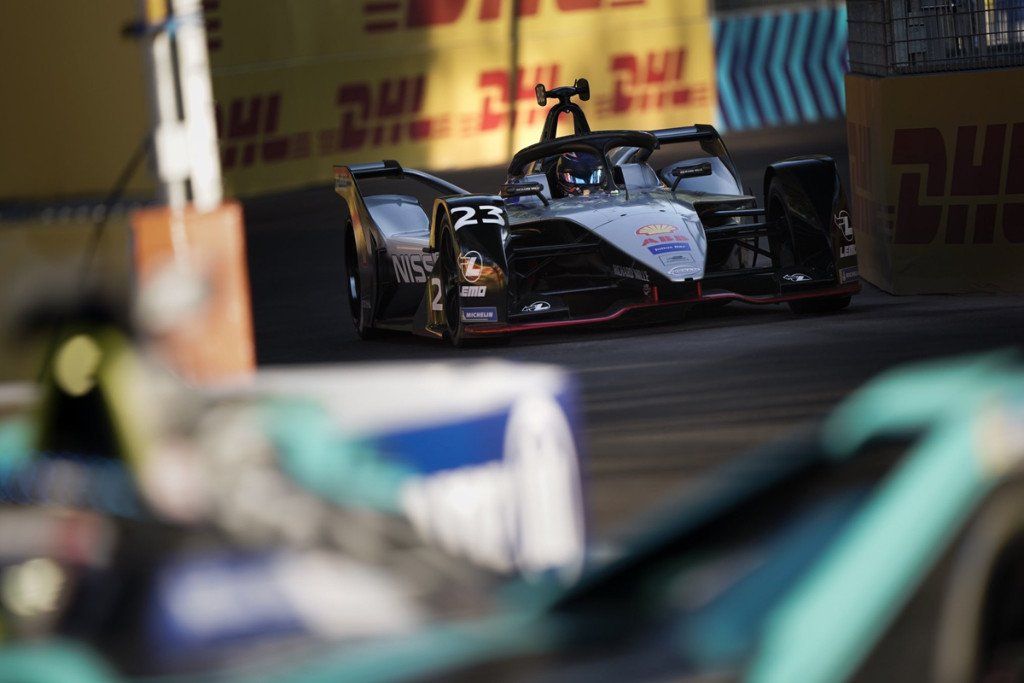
(663, 401)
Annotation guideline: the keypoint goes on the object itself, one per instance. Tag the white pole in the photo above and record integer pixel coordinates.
(170, 164)
(197, 104)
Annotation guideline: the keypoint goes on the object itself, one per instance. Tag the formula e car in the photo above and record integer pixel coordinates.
(588, 227)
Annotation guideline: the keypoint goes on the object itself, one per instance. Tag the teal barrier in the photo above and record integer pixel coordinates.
(781, 68)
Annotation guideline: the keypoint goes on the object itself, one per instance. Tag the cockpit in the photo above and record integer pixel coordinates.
(691, 159)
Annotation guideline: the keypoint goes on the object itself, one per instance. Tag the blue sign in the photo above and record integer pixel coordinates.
(668, 246)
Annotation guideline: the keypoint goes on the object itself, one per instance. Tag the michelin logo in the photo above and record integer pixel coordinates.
(486, 314)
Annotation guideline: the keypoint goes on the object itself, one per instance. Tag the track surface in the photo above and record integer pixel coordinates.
(664, 402)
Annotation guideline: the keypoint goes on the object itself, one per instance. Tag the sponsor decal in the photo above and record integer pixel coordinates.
(676, 259)
(652, 240)
(487, 314)
(471, 265)
(848, 275)
(796, 277)
(842, 220)
(472, 291)
(631, 273)
(412, 268)
(536, 307)
(847, 250)
(656, 229)
(664, 248)
(684, 270)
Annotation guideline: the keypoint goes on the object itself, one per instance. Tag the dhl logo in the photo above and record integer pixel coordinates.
(980, 195)
(371, 115)
(500, 110)
(381, 16)
(653, 80)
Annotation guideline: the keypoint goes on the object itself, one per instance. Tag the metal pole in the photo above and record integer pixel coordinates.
(170, 162)
(197, 105)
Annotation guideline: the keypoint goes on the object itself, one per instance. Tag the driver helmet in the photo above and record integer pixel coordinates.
(579, 173)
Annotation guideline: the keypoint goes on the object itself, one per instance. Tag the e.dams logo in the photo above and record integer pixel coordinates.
(382, 16)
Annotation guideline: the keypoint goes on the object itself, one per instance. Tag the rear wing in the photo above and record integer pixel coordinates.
(389, 168)
(686, 134)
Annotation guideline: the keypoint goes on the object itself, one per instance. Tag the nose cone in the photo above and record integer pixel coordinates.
(666, 243)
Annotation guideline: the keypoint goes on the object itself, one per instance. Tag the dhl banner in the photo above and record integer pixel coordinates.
(439, 83)
(302, 84)
(937, 175)
(74, 99)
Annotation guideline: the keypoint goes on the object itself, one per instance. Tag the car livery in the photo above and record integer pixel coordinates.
(669, 225)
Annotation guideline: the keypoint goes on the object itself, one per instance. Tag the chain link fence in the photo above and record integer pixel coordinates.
(921, 36)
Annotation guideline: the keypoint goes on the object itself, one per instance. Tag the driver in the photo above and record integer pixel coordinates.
(579, 173)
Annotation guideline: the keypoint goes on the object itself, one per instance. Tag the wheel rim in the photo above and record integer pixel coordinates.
(355, 299)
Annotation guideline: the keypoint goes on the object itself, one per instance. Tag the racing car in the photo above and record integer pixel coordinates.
(588, 227)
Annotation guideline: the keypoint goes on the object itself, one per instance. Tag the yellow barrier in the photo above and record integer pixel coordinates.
(74, 102)
(302, 84)
(431, 83)
(937, 174)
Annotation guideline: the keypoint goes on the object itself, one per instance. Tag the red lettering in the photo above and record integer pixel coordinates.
(1015, 170)
(984, 223)
(915, 223)
(422, 13)
(1013, 222)
(983, 179)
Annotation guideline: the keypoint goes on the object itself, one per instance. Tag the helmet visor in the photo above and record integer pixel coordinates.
(582, 178)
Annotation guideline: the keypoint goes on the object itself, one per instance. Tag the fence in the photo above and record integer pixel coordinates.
(923, 36)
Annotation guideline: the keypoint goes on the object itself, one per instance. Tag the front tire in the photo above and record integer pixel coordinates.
(451, 281)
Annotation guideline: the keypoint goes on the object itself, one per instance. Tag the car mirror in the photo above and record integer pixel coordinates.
(694, 171)
(541, 93)
(524, 190)
(582, 86)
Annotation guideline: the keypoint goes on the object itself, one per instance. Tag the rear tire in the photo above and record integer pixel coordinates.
(825, 304)
(354, 289)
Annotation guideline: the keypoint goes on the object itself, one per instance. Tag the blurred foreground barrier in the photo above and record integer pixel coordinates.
(780, 67)
(42, 257)
(937, 159)
(192, 273)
